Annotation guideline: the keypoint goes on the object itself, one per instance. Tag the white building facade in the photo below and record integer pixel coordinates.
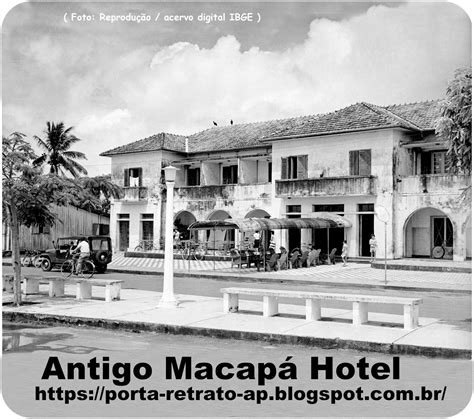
(352, 162)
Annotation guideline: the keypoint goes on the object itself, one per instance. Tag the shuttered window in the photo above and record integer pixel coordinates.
(133, 177)
(360, 162)
(194, 176)
(229, 174)
(294, 167)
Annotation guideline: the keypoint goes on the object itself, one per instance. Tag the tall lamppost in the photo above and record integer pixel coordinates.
(382, 214)
(168, 298)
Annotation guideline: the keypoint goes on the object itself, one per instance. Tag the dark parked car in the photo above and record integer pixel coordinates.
(101, 252)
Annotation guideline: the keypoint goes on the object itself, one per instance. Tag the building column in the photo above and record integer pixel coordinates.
(459, 242)
(157, 223)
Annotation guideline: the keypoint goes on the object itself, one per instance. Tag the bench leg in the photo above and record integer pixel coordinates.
(56, 288)
(313, 309)
(410, 316)
(31, 286)
(231, 303)
(112, 292)
(270, 306)
(8, 284)
(84, 291)
(360, 313)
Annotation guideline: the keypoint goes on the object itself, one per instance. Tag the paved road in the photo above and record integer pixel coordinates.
(442, 305)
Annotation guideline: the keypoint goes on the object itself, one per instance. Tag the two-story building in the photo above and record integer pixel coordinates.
(357, 162)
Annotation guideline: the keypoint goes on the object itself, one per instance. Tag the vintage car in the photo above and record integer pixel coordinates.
(101, 252)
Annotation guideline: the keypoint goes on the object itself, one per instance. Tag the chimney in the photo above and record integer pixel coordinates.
(186, 145)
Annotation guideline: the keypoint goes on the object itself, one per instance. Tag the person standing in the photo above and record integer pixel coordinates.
(256, 240)
(345, 250)
(373, 248)
(84, 251)
(272, 242)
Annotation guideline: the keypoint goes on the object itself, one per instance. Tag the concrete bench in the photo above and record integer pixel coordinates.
(30, 284)
(360, 310)
(56, 285)
(112, 288)
(8, 283)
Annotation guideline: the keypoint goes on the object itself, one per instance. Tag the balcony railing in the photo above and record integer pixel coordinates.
(135, 193)
(326, 186)
(230, 192)
(426, 184)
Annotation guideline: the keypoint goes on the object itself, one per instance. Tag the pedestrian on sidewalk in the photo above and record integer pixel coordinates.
(373, 248)
(256, 240)
(345, 250)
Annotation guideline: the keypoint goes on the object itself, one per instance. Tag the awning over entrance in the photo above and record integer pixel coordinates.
(317, 220)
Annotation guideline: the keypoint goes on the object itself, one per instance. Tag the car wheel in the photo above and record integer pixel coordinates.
(46, 265)
(101, 257)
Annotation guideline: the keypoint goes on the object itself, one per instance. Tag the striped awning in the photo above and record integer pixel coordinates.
(317, 220)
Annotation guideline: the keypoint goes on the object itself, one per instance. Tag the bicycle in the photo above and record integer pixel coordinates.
(192, 250)
(69, 267)
(146, 246)
(32, 258)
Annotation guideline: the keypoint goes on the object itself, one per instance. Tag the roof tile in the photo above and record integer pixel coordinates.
(360, 116)
(161, 141)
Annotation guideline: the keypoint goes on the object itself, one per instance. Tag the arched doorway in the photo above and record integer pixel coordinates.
(247, 238)
(182, 221)
(425, 229)
(220, 239)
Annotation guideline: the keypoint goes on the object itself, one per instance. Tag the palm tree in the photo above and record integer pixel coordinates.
(56, 151)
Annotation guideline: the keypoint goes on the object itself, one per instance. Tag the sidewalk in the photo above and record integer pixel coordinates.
(356, 275)
(197, 315)
(353, 275)
(429, 265)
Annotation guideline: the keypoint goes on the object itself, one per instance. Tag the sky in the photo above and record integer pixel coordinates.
(118, 82)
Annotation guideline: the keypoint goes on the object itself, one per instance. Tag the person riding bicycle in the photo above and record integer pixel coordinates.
(84, 251)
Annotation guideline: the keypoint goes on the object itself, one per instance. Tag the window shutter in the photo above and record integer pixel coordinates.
(235, 175)
(126, 178)
(302, 167)
(364, 162)
(284, 168)
(198, 176)
(353, 163)
(140, 175)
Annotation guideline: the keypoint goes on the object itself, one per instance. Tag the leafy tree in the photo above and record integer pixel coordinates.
(57, 153)
(103, 189)
(23, 202)
(455, 123)
(27, 195)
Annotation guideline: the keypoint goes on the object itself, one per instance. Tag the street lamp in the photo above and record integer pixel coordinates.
(382, 214)
(168, 298)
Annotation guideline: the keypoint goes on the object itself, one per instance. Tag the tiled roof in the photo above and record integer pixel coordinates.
(161, 141)
(360, 116)
(231, 137)
(423, 114)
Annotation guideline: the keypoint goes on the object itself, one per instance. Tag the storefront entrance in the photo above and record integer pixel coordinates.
(366, 228)
(426, 229)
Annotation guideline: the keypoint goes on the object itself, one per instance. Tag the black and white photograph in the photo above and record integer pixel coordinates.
(236, 209)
